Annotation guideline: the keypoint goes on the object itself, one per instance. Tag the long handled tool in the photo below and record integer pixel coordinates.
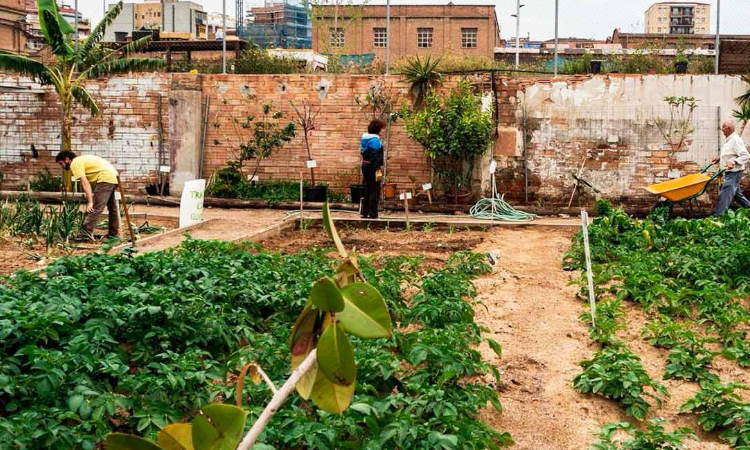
(125, 208)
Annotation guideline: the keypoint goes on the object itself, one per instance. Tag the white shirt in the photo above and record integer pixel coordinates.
(734, 150)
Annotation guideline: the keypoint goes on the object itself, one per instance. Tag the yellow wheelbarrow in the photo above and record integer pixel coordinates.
(683, 189)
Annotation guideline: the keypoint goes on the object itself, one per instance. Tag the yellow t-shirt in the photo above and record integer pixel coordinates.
(94, 168)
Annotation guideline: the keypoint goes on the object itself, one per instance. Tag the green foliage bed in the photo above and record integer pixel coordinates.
(692, 278)
(101, 343)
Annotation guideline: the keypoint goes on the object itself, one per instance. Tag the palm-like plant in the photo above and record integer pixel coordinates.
(76, 62)
(744, 99)
(423, 76)
(742, 115)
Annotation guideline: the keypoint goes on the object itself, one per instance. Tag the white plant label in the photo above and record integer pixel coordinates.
(252, 178)
(191, 202)
(493, 166)
(165, 169)
(405, 196)
(311, 164)
(118, 197)
(426, 187)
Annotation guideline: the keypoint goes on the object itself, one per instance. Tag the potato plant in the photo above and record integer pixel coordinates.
(103, 343)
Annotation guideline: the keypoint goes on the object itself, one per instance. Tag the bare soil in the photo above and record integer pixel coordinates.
(530, 307)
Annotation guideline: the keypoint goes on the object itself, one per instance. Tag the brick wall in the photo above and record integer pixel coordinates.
(125, 131)
(604, 124)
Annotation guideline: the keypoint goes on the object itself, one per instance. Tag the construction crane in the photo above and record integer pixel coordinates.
(240, 17)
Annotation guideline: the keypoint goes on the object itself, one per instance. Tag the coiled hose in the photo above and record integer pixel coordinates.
(498, 209)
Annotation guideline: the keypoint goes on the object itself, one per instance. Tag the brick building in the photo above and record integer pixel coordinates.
(12, 22)
(678, 18)
(692, 41)
(416, 30)
(174, 19)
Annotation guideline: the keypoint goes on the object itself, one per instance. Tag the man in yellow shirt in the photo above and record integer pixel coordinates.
(93, 169)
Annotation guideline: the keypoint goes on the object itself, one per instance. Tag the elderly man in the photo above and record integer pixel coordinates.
(733, 158)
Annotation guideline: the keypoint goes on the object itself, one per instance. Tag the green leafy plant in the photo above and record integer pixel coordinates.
(45, 181)
(307, 120)
(609, 315)
(655, 437)
(678, 129)
(690, 360)
(268, 136)
(454, 131)
(615, 372)
(76, 62)
(720, 407)
(742, 114)
(258, 60)
(423, 76)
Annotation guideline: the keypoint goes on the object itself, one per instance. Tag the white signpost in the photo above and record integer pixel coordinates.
(191, 202)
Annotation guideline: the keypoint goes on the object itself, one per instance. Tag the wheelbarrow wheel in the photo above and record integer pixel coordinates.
(662, 208)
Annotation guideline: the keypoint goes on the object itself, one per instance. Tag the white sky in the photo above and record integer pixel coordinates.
(578, 18)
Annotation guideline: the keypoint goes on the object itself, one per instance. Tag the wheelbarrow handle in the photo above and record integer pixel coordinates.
(708, 167)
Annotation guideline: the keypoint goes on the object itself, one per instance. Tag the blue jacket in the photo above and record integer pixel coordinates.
(372, 150)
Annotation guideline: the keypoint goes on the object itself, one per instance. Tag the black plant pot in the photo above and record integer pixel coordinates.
(681, 67)
(153, 189)
(596, 66)
(357, 191)
(315, 194)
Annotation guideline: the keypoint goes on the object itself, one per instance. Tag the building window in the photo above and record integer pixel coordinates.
(379, 38)
(468, 38)
(424, 37)
(336, 37)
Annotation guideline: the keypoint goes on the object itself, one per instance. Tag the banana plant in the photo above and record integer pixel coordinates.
(322, 359)
(75, 62)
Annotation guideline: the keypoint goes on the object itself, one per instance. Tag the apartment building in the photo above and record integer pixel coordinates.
(12, 23)
(415, 30)
(678, 18)
(183, 20)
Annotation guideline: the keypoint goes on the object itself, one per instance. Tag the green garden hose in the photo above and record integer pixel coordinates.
(498, 209)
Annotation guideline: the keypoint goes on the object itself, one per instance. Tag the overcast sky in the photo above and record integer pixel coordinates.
(578, 18)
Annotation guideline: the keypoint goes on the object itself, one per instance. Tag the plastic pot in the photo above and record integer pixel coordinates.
(596, 66)
(681, 67)
(357, 191)
(317, 194)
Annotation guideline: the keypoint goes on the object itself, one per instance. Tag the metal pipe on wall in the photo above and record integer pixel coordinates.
(518, 31)
(387, 36)
(718, 36)
(223, 36)
(557, 16)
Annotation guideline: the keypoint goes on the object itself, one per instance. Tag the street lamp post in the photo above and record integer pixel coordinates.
(718, 39)
(517, 15)
(557, 16)
(387, 36)
(223, 36)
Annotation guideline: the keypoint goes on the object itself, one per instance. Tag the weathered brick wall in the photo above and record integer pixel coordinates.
(607, 119)
(124, 132)
(604, 127)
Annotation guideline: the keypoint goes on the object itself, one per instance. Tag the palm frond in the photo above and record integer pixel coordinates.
(134, 46)
(23, 65)
(97, 34)
(423, 76)
(84, 98)
(54, 28)
(744, 99)
(124, 65)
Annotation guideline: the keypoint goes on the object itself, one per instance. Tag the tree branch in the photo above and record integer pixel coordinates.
(278, 399)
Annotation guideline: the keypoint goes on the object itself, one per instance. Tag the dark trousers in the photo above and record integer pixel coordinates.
(104, 195)
(730, 190)
(372, 192)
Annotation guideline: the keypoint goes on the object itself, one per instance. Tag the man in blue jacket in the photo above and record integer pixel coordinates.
(372, 163)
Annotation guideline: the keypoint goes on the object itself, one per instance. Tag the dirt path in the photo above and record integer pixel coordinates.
(533, 312)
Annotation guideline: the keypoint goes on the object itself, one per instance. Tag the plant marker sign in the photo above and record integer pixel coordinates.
(311, 164)
(191, 202)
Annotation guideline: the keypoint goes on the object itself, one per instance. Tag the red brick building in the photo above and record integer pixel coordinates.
(470, 30)
(12, 35)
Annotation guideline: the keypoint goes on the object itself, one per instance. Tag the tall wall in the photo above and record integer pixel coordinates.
(604, 127)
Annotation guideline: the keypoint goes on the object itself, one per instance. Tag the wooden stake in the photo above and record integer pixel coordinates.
(301, 198)
(589, 274)
(406, 207)
(125, 208)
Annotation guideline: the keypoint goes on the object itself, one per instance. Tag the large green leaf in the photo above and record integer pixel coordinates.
(336, 356)
(219, 427)
(85, 99)
(25, 66)
(54, 27)
(124, 65)
(331, 397)
(365, 313)
(122, 441)
(97, 34)
(348, 271)
(330, 228)
(176, 436)
(325, 295)
(302, 342)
